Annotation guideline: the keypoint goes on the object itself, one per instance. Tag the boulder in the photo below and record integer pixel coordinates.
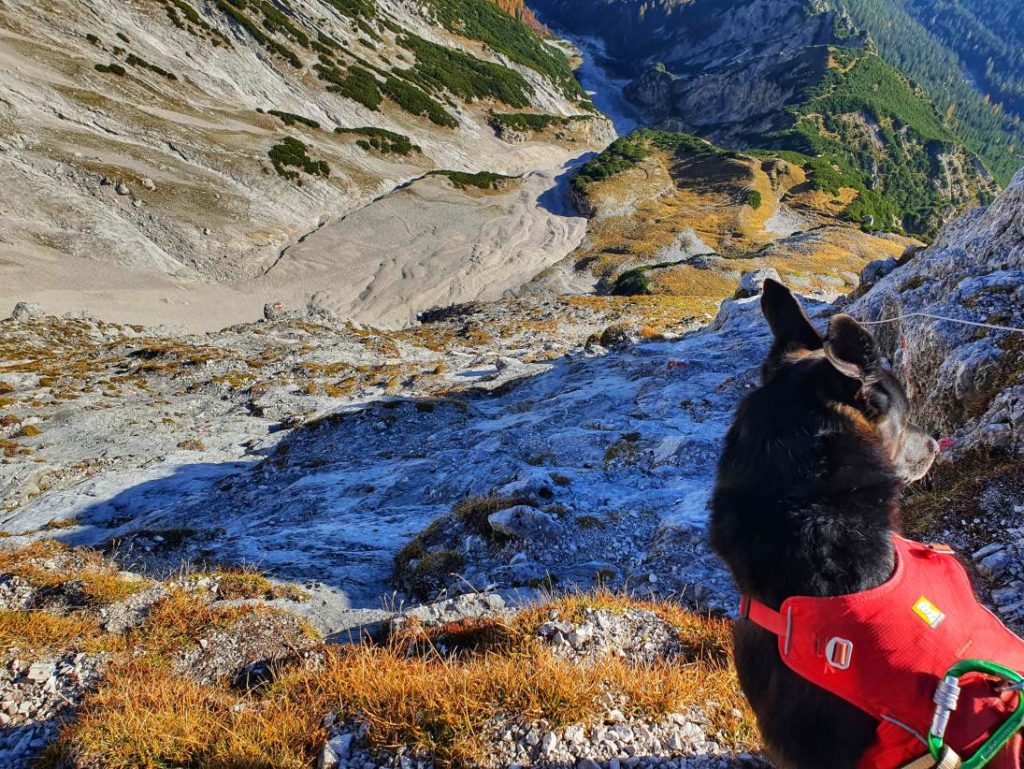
(27, 311)
(875, 271)
(618, 337)
(752, 282)
(522, 522)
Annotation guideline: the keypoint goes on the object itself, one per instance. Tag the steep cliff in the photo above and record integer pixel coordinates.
(791, 75)
(968, 380)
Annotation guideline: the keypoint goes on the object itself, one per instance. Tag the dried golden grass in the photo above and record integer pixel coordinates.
(36, 632)
(406, 693)
(180, 619)
(52, 566)
(247, 582)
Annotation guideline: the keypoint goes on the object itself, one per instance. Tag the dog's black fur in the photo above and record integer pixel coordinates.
(806, 498)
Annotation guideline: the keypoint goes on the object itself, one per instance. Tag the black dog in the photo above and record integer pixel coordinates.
(805, 502)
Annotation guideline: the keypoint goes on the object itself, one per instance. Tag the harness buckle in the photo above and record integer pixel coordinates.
(839, 653)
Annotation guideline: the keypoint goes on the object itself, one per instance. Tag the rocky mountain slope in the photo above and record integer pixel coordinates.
(798, 75)
(675, 222)
(167, 154)
(320, 450)
(493, 370)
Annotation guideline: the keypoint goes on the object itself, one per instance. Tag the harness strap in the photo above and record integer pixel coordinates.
(948, 760)
(764, 616)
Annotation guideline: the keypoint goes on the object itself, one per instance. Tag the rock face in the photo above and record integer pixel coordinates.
(967, 381)
(742, 74)
(140, 187)
(696, 63)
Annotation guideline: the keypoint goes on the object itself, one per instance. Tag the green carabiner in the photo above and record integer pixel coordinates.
(946, 697)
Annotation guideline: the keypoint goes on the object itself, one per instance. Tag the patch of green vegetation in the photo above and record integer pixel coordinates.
(483, 20)
(939, 43)
(484, 180)
(439, 68)
(416, 102)
(622, 154)
(291, 119)
(629, 151)
(895, 181)
(358, 85)
(367, 30)
(382, 140)
(192, 22)
(135, 61)
(234, 9)
(291, 153)
(93, 39)
(752, 198)
(324, 49)
(528, 121)
(354, 9)
(632, 283)
(113, 69)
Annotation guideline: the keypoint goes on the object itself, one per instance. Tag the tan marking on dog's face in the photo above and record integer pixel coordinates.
(857, 420)
(910, 449)
(800, 354)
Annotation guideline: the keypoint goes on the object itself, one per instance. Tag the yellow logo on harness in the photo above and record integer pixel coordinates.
(929, 612)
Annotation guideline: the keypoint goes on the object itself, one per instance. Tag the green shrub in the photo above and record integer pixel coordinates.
(528, 121)
(439, 68)
(632, 283)
(93, 39)
(290, 119)
(912, 135)
(193, 23)
(291, 153)
(484, 180)
(621, 155)
(629, 151)
(276, 21)
(483, 20)
(135, 61)
(752, 198)
(358, 85)
(354, 9)
(415, 102)
(113, 69)
(233, 9)
(382, 140)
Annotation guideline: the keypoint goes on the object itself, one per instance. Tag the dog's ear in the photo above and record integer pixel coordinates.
(787, 319)
(851, 349)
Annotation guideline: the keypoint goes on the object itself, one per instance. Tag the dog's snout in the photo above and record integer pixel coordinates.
(919, 451)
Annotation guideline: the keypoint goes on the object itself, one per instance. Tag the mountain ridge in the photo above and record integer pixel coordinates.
(750, 76)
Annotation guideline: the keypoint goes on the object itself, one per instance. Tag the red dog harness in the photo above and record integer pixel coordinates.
(885, 650)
